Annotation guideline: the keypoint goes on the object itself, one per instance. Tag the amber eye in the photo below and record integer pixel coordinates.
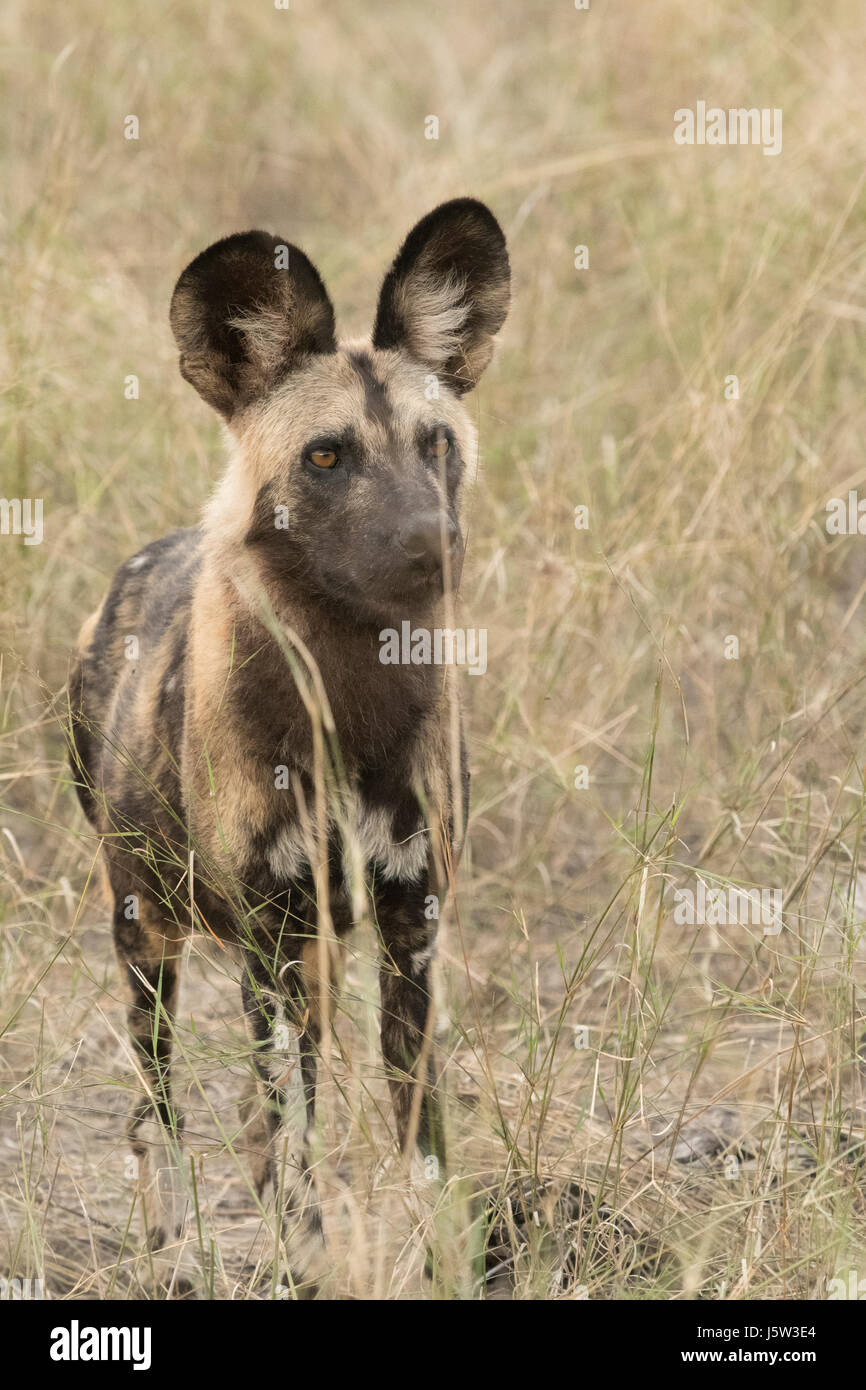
(323, 458)
(440, 446)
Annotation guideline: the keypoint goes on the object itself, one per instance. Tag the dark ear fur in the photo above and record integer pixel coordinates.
(447, 293)
(242, 324)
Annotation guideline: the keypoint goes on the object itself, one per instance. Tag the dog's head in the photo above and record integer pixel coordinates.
(349, 456)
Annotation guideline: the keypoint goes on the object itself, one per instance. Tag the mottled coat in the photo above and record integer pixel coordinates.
(254, 769)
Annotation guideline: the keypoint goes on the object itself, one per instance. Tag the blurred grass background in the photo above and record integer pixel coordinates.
(716, 1115)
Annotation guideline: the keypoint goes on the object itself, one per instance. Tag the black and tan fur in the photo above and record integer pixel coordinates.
(258, 649)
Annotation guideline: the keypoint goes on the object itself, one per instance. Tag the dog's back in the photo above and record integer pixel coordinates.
(127, 689)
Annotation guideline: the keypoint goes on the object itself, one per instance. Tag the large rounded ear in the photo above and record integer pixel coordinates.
(244, 314)
(447, 293)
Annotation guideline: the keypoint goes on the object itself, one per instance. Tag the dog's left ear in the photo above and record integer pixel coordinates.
(245, 313)
(447, 293)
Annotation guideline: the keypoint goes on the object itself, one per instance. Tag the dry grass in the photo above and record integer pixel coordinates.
(715, 1118)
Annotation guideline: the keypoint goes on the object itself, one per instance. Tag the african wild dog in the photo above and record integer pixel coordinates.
(236, 740)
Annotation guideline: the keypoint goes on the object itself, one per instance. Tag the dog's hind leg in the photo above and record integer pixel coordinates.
(149, 950)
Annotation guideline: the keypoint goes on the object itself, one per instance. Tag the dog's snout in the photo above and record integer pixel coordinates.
(422, 539)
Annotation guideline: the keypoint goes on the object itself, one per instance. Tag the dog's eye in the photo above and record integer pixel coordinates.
(440, 446)
(323, 458)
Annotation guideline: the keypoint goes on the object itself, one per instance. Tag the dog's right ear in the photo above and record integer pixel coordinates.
(446, 295)
(244, 314)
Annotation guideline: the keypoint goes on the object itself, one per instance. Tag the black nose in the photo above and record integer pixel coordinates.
(421, 540)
